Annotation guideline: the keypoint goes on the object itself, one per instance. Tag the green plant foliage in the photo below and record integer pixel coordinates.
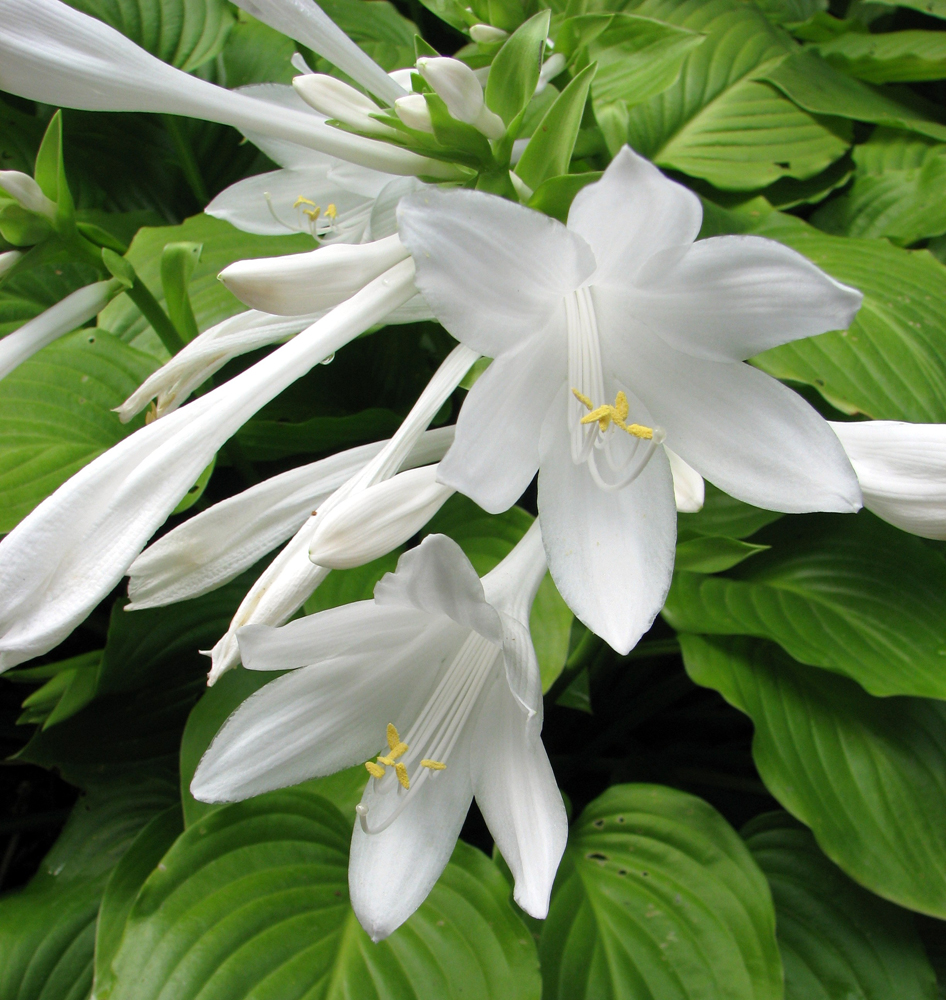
(890, 58)
(864, 773)
(515, 70)
(723, 515)
(658, 898)
(836, 939)
(378, 29)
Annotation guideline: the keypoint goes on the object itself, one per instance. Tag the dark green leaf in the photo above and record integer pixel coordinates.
(713, 553)
(377, 28)
(894, 57)
(724, 515)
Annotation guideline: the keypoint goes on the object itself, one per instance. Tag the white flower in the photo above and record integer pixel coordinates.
(219, 543)
(609, 336)
(902, 471)
(436, 678)
(413, 111)
(54, 54)
(456, 84)
(486, 34)
(291, 577)
(23, 189)
(8, 260)
(69, 552)
(336, 99)
(65, 316)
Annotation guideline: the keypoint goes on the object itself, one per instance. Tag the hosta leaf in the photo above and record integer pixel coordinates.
(891, 363)
(253, 901)
(269, 440)
(935, 8)
(724, 515)
(836, 939)
(658, 899)
(184, 33)
(56, 414)
(378, 28)
(868, 775)
(847, 593)
(791, 11)
(28, 293)
(256, 53)
(896, 56)
(718, 122)
(713, 553)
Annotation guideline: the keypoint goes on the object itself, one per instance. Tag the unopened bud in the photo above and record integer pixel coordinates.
(456, 84)
(8, 261)
(372, 522)
(338, 100)
(413, 111)
(486, 34)
(22, 188)
(550, 69)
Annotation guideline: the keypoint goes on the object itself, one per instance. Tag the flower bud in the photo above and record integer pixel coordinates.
(413, 111)
(8, 261)
(486, 34)
(550, 69)
(23, 189)
(462, 92)
(336, 99)
(374, 521)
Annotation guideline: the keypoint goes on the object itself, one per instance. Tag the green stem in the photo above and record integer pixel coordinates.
(186, 158)
(155, 315)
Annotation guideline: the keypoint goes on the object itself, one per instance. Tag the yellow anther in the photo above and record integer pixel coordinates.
(583, 399)
(401, 771)
(331, 212)
(375, 770)
(433, 765)
(394, 742)
(639, 431)
(302, 200)
(617, 413)
(387, 761)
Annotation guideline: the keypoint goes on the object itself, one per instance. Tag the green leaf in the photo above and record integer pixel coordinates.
(184, 33)
(378, 28)
(515, 70)
(791, 11)
(844, 592)
(51, 172)
(894, 57)
(549, 151)
(269, 440)
(891, 363)
(178, 261)
(718, 121)
(658, 899)
(554, 197)
(55, 410)
(724, 515)
(713, 554)
(935, 8)
(865, 774)
(256, 53)
(836, 939)
(253, 901)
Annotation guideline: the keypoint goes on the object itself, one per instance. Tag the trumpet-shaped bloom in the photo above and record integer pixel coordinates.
(435, 681)
(902, 471)
(69, 552)
(611, 335)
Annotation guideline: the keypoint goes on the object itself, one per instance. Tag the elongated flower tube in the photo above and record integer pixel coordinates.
(336, 99)
(54, 54)
(376, 520)
(69, 314)
(292, 577)
(66, 555)
(436, 683)
(611, 335)
(219, 543)
(902, 471)
(456, 84)
(27, 193)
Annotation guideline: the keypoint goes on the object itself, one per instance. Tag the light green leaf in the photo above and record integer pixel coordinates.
(844, 592)
(515, 70)
(253, 901)
(256, 53)
(378, 28)
(867, 775)
(724, 515)
(791, 11)
(718, 121)
(184, 33)
(554, 197)
(658, 899)
(56, 414)
(935, 8)
(892, 57)
(713, 553)
(836, 939)
(891, 363)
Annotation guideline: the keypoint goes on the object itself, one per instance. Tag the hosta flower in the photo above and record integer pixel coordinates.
(435, 684)
(902, 471)
(610, 336)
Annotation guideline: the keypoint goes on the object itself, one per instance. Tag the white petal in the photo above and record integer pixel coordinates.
(438, 578)
(630, 214)
(492, 272)
(391, 873)
(689, 490)
(731, 297)
(902, 471)
(520, 801)
(742, 430)
(610, 554)
(496, 452)
(384, 210)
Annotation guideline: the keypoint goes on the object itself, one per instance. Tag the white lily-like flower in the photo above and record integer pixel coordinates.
(438, 673)
(219, 543)
(336, 99)
(902, 471)
(75, 309)
(610, 336)
(69, 552)
(289, 580)
(689, 490)
(457, 85)
(51, 53)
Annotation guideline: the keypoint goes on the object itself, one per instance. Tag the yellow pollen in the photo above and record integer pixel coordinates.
(302, 200)
(387, 761)
(434, 765)
(394, 742)
(401, 771)
(331, 212)
(375, 770)
(607, 414)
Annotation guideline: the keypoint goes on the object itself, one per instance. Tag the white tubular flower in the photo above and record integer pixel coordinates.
(64, 317)
(462, 92)
(54, 54)
(377, 520)
(209, 550)
(292, 577)
(902, 471)
(689, 490)
(610, 336)
(486, 34)
(23, 189)
(550, 69)
(301, 283)
(8, 260)
(420, 677)
(66, 555)
(413, 111)
(336, 99)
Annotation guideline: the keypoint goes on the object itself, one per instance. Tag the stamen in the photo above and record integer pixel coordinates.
(401, 771)
(375, 770)
(331, 212)
(433, 765)
(607, 414)
(272, 212)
